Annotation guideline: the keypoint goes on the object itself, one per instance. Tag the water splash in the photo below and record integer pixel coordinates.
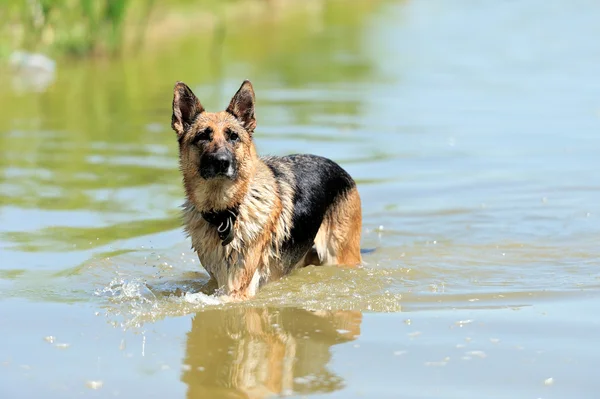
(134, 302)
(200, 298)
(120, 290)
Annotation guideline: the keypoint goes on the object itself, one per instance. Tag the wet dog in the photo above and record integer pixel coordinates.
(254, 219)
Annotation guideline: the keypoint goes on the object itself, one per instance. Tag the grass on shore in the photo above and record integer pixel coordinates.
(84, 27)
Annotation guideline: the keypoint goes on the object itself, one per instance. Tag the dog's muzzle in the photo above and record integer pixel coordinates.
(217, 164)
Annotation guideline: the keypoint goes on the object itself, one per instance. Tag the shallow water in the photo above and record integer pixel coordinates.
(472, 131)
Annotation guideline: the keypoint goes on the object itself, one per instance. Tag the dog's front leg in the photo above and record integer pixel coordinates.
(243, 278)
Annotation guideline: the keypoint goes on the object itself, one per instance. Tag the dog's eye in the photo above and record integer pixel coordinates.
(202, 135)
(233, 136)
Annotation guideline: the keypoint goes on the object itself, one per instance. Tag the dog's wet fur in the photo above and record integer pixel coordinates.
(254, 219)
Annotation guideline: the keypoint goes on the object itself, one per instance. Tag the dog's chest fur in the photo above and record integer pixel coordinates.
(264, 222)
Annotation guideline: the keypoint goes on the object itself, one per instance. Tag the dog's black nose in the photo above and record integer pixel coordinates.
(222, 162)
(215, 164)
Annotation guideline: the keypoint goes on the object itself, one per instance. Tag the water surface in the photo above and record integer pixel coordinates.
(472, 131)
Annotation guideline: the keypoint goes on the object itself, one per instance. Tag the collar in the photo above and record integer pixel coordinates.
(224, 221)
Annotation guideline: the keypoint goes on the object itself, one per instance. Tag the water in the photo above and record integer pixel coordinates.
(472, 130)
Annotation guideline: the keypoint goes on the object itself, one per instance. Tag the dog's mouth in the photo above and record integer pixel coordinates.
(212, 173)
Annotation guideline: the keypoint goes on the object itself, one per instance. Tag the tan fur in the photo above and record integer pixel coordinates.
(265, 205)
(338, 239)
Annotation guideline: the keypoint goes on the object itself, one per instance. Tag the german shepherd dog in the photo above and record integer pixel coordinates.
(254, 219)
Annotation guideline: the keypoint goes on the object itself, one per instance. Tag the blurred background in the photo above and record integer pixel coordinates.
(471, 127)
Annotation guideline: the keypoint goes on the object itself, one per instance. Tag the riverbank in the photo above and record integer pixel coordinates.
(82, 29)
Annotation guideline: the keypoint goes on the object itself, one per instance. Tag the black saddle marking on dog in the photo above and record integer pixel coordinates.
(224, 221)
(318, 183)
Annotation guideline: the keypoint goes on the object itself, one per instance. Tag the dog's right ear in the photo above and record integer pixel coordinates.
(186, 107)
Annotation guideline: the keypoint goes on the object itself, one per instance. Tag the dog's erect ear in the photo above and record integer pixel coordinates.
(242, 106)
(186, 107)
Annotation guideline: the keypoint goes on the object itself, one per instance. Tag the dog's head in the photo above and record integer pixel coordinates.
(216, 149)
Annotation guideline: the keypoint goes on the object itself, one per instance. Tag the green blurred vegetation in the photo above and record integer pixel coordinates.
(71, 26)
(86, 27)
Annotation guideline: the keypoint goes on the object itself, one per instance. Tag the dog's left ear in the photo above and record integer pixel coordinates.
(242, 106)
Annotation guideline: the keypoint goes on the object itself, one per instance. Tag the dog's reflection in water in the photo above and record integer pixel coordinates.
(246, 352)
